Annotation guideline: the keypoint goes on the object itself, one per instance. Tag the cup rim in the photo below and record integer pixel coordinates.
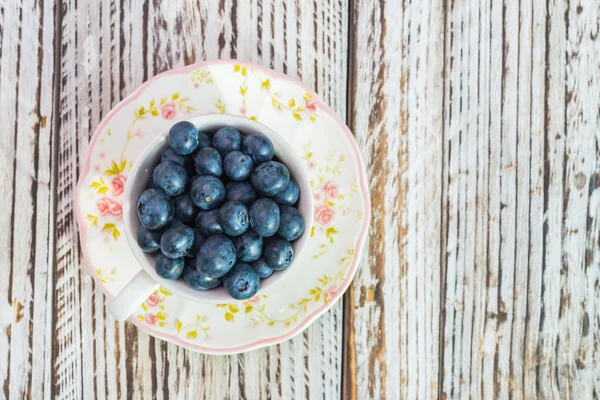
(212, 122)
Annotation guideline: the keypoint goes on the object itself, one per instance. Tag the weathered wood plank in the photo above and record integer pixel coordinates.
(554, 158)
(577, 356)
(519, 228)
(480, 186)
(521, 224)
(108, 49)
(396, 98)
(26, 218)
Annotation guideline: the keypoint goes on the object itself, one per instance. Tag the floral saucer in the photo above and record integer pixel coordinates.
(338, 181)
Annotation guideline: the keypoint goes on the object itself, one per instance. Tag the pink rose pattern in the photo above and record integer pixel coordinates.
(118, 185)
(324, 214)
(153, 300)
(107, 206)
(168, 111)
(326, 193)
(102, 205)
(333, 290)
(151, 319)
(150, 304)
(114, 208)
(311, 105)
(330, 189)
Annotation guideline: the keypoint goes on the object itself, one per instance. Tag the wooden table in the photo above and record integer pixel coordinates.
(480, 125)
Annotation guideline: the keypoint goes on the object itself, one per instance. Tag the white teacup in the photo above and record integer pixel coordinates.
(147, 281)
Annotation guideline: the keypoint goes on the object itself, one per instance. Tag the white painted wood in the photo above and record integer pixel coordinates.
(396, 114)
(577, 353)
(512, 328)
(537, 198)
(478, 122)
(517, 218)
(546, 379)
(26, 217)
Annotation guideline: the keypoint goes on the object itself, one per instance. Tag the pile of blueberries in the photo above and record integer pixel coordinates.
(219, 209)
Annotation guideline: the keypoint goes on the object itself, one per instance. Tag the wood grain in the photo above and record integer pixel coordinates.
(576, 353)
(108, 50)
(26, 220)
(479, 124)
(517, 287)
(396, 96)
(511, 190)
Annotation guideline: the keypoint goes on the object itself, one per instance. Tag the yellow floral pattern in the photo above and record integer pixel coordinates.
(100, 186)
(300, 108)
(154, 308)
(297, 108)
(106, 277)
(329, 201)
(243, 71)
(257, 311)
(201, 76)
(190, 331)
(222, 107)
(154, 313)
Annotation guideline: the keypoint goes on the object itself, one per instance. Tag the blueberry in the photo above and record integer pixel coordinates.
(174, 223)
(261, 268)
(264, 217)
(270, 178)
(149, 241)
(291, 224)
(203, 140)
(185, 209)
(183, 137)
(289, 196)
(241, 191)
(258, 147)
(150, 183)
(233, 218)
(168, 268)
(177, 241)
(170, 155)
(248, 246)
(208, 161)
(207, 192)
(198, 240)
(196, 279)
(227, 139)
(216, 256)
(207, 223)
(237, 165)
(154, 209)
(170, 177)
(278, 253)
(242, 281)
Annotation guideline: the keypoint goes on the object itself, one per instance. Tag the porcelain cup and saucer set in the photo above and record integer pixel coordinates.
(322, 156)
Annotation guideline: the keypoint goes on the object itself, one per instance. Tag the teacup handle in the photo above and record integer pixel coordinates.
(132, 295)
